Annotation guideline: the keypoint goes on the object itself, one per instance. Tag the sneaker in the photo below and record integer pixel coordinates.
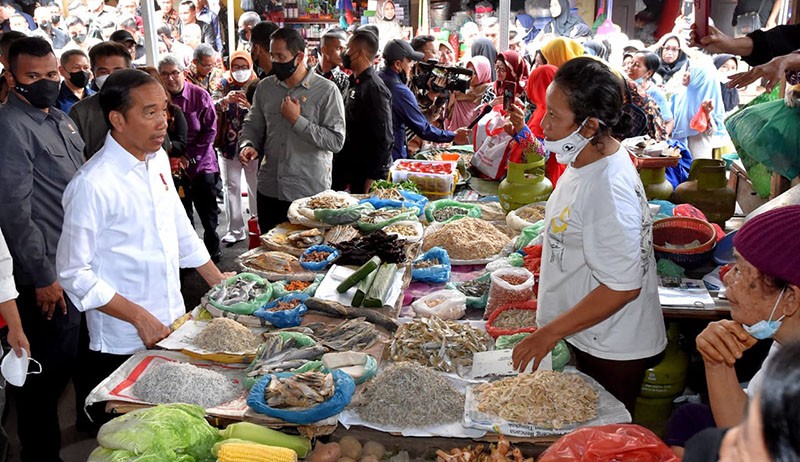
(231, 238)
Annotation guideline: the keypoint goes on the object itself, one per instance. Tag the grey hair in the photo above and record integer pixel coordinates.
(249, 18)
(171, 60)
(203, 50)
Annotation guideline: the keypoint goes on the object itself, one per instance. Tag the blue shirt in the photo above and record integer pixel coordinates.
(66, 98)
(406, 113)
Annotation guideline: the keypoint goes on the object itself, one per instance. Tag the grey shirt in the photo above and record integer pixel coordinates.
(297, 158)
(88, 115)
(40, 154)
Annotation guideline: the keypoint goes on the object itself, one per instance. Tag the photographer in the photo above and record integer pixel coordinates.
(432, 103)
(398, 57)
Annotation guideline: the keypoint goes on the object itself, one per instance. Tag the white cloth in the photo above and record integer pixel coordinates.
(754, 387)
(125, 231)
(598, 230)
(232, 176)
(8, 290)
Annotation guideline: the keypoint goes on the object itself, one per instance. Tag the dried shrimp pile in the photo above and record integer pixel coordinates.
(467, 239)
(547, 399)
(444, 345)
(327, 202)
(407, 395)
(223, 334)
(532, 213)
(515, 319)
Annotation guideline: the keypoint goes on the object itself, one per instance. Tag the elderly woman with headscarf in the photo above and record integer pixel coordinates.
(702, 93)
(560, 50)
(484, 47)
(536, 90)
(231, 111)
(673, 57)
(462, 106)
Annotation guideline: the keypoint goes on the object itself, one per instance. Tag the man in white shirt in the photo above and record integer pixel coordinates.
(126, 234)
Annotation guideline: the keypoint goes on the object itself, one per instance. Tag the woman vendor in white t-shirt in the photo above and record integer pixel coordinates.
(598, 287)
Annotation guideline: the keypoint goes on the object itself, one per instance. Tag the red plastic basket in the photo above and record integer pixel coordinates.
(497, 332)
(682, 231)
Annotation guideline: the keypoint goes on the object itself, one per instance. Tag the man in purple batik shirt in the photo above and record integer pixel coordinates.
(203, 168)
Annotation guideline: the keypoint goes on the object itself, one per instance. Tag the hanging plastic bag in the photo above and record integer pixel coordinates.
(606, 443)
(436, 270)
(282, 318)
(491, 143)
(445, 304)
(700, 121)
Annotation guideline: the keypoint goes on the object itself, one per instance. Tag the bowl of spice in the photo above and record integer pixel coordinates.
(318, 257)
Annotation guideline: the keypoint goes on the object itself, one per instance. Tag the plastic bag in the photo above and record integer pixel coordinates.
(477, 303)
(528, 234)
(516, 223)
(509, 285)
(344, 216)
(449, 305)
(472, 210)
(616, 442)
(318, 265)
(301, 340)
(436, 274)
(248, 307)
(344, 387)
(688, 210)
(700, 121)
(516, 260)
(495, 332)
(370, 365)
(410, 199)
(404, 215)
(279, 288)
(284, 318)
(167, 432)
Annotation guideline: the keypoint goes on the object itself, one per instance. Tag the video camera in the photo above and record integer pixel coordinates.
(456, 78)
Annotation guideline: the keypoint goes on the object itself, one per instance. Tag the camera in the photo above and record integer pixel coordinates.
(456, 78)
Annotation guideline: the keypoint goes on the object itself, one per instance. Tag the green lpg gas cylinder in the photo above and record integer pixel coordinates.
(524, 184)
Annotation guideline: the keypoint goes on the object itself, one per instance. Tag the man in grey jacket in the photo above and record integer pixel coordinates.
(296, 123)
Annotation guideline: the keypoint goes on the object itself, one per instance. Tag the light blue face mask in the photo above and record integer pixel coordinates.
(763, 330)
(639, 81)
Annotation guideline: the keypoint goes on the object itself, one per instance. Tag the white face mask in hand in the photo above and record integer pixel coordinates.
(15, 369)
(567, 149)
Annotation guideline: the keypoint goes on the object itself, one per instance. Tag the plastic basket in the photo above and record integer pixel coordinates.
(495, 332)
(682, 231)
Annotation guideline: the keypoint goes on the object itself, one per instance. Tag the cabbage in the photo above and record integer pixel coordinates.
(169, 433)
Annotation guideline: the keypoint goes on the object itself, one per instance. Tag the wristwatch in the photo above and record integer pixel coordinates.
(245, 144)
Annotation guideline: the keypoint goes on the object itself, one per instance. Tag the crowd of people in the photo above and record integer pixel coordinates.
(107, 161)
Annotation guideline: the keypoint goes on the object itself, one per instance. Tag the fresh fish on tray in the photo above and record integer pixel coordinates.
(279, 355)
(239, 291)
(350, 335)
(299, 391)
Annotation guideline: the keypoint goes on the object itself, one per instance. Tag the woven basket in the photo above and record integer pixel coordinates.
(682, 231)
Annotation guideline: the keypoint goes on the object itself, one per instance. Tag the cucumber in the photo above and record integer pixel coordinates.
(363, 288)
(376, 296)
(360, 274)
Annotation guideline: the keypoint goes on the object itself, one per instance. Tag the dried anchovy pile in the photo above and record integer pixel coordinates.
(532, 213)
(446, 213)
(444, 345)
(382, 215)
(173, 382)
(357, 251)
(405, 230)
(515, 319)
(474, 288)
(547, 399)
(407, 395)
(327, 202)
(226, 335)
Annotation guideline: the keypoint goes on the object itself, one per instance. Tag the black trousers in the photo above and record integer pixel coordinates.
(202, 193)
(271, 212)
(54, 344)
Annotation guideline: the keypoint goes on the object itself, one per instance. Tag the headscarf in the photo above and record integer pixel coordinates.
(463, 112)
(517, 71)
(563, 24)
(597, 49)
(229, 75)
(703, 86)
(536, 89)
(666, 71)
(484, 47)
(730, 96)
(527, 23)
(560, 50)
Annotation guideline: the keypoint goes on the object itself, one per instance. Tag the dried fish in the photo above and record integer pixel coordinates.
(407, 395)
(357, 251)
(547, 399)
(299, 391)
(444, 345)
(226, 335)
(474, 288)
(403, 230)
(305, 238)
(341, 233)
(275, 262)
(279, 355)
(238, 291)
(381, 215)
(389, 193)
(446, 213)
(350, 335)
(325, 201)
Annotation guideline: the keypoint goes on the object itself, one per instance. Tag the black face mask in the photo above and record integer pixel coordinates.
(80, 38)
(55, 19)
(79, 78)
(42, 94)
(347, 61)
(284, 70)
(243, 36)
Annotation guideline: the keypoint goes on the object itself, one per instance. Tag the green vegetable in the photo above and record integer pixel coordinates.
(376, 296)
(386, 184)
(360, 274)
(363, 288)
(171, 432)
(343, 216)
(259, 434)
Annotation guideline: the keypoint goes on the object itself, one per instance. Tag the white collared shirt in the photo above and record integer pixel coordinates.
(8, 291)
(125, 231)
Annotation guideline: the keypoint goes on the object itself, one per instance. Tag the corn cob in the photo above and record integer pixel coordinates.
(258, 434)
(244, 451)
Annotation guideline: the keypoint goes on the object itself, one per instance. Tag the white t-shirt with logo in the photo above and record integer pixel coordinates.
(599, 231)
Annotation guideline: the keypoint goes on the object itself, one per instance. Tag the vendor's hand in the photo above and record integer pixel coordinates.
(533, 348)
(151, 330)
(516, 116)
(290, 109)
(18, 341)
(462, 136)
(49, 298)
(723, 342)
(247, 154)
(715, 42)
(773, 71)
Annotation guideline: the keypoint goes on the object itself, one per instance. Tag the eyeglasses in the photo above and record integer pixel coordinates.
(170, 75)
(672, 49)
(205, 66)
